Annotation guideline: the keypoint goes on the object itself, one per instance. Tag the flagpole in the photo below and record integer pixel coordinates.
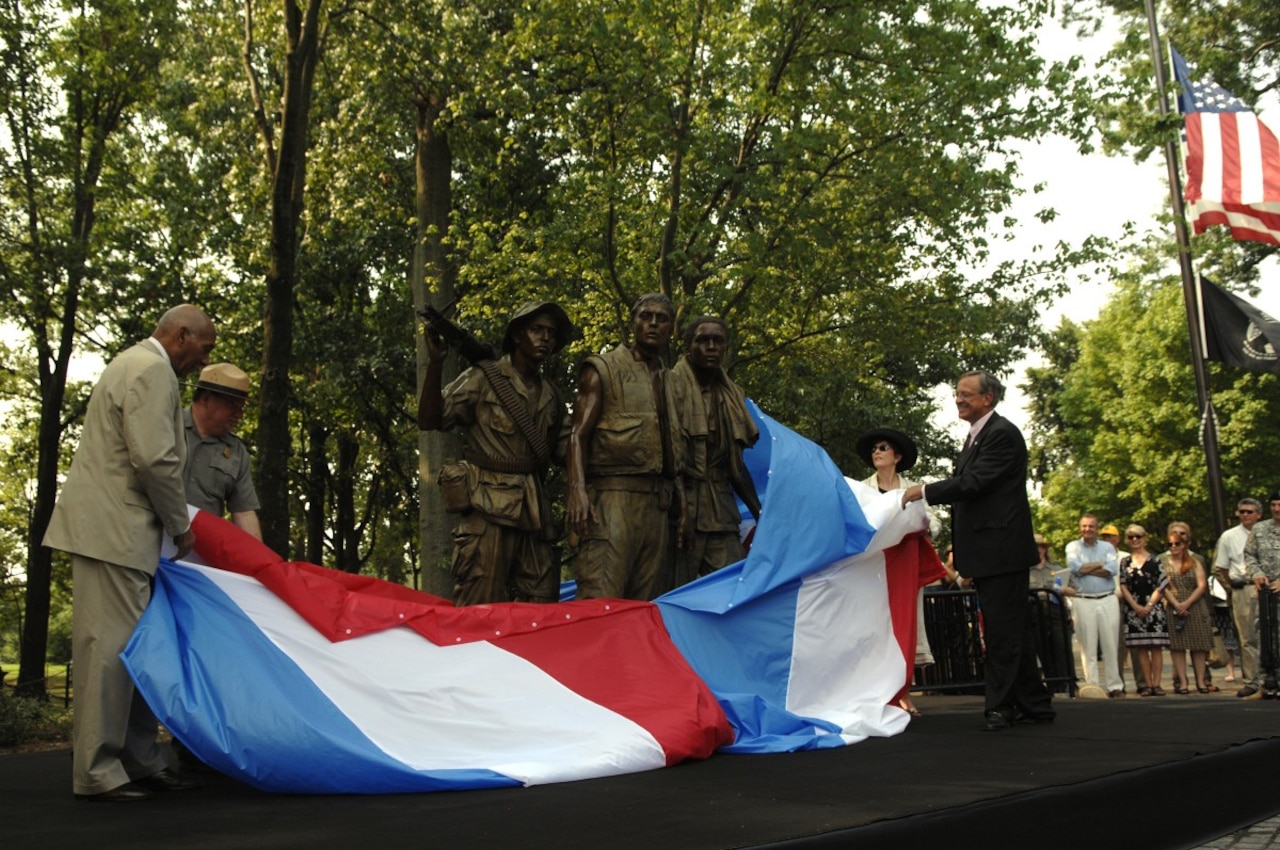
(1190, 296)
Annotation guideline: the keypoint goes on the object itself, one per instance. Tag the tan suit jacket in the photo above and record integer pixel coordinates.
(125, 489)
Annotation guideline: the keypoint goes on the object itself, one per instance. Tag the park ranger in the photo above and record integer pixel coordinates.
(217, 476)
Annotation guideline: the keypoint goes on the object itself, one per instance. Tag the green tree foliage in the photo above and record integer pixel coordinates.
(1046, 433)
(1234, 41)
(1116, 429)
(79, 246)
(1126, 438)
(431, 75)
(826, 176)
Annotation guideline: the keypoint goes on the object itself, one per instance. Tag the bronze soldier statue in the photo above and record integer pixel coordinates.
(624, 462)
(717, 428)
(512, 417)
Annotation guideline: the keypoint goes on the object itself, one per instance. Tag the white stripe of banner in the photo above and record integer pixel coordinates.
(1251, 188)
(471, 706)
(846, 663)
(1211, 134)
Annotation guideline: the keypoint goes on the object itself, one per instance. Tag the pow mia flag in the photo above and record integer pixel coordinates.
(1236, 332)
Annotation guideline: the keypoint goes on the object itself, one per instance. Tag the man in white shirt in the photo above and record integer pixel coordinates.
(1230, 568)
(1111, 534)
(1093, 564)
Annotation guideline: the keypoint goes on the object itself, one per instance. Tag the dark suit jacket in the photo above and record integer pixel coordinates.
(991, 530)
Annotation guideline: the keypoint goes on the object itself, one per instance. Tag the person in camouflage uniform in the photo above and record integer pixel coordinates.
(717, 428)
(1262, 550)
(503, 539)
(624, 462)
(1262, 560)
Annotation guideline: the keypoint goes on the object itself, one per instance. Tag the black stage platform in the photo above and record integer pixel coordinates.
(1132, 773)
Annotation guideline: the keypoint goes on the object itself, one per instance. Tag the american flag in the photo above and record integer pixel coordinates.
(1233, 161)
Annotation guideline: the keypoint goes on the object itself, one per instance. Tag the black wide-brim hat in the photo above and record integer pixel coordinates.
(904, 444)
(565, 330)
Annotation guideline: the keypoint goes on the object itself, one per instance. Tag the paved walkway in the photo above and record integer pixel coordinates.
(1264, 835)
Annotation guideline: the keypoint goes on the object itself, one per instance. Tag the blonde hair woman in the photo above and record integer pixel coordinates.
(1191, 621)
(1146, 628)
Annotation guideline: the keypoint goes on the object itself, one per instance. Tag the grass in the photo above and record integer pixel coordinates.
(32, 724)
(55, 681)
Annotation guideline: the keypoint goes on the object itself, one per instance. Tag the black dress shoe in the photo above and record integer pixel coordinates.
(995, 721)
(167, 780)
(128, 793)
(1022, 715)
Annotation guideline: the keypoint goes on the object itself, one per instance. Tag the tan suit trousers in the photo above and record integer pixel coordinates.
(114, 731)
(1244, 611)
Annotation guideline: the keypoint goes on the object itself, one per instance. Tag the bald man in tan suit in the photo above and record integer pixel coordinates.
(123, 495)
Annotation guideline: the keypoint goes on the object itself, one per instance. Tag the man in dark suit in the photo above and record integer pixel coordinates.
(995, 547)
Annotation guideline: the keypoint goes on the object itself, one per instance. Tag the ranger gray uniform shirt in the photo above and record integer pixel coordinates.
(217, 475)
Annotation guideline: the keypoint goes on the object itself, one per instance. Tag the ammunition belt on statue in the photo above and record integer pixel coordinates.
(501, 464)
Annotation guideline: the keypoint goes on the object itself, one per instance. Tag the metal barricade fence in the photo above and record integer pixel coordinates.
(955, 638)
(1051, 623)
(953, 622)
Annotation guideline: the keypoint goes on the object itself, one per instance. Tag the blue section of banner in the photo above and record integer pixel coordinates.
(210, 674)
(736, 627)
(809, 519)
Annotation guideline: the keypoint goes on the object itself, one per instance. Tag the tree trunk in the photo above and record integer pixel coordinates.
(346, 538)
(317, 474)
(53, 391)
(432, 281)
(288, 181)
(35, 626)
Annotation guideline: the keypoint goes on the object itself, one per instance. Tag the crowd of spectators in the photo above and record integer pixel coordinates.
(1160, 597)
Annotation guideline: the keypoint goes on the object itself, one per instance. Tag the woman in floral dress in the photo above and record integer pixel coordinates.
(1146, 628)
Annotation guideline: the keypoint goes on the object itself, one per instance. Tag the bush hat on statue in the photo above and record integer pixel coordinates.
(564, 328)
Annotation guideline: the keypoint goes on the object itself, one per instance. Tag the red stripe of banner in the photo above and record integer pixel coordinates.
(628, 664)
(1195, 158)
(1230, 190)
(909, 566)
(618, 653)
(1270, 163)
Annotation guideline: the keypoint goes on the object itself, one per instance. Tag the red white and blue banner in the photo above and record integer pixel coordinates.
(298, 679)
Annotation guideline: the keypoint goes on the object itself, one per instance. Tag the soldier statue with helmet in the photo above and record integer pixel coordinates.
(512, 417)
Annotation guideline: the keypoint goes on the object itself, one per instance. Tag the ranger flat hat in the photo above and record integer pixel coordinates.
(225, 379)
(904, 444)
(564, 328)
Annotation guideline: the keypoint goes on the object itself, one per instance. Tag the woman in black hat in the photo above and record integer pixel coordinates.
(890, 452)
